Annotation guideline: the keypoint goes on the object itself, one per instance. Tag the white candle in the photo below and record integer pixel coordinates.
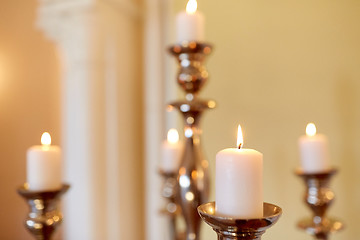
(239, 182)
(44, 170)
(314, 152)
(171, 151)
(190, 24)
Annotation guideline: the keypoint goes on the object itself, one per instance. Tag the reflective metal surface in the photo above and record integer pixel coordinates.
(192, 73)
(245, 229)
(192, 179)
(44, 215)
(171, 209)
(319, 197)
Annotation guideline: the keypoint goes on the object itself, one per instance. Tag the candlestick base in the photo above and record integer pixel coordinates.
(320, 228)
(319, 197)
(44, 215)
(245, 229)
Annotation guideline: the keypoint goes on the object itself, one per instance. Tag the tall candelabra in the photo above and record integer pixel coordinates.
(192, 181)
(319, 197)
(44, 215)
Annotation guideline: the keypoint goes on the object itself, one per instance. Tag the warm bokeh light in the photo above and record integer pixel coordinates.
(173, 136)
(189, 196)
(240, 139)
(211, 104)
(191, 6)
(310, 129)
(46, 139)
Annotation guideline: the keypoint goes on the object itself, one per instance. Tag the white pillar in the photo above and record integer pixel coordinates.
(99, 45)
(160, 88)
(154, 120)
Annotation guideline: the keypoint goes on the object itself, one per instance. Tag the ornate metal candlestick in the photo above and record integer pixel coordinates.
(44, 216)
(171, 209)
(192, 179)
(244, 229)
(319, 197)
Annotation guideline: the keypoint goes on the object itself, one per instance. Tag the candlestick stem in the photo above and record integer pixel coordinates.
(321, 237)
(239, 229)
(44, 215)
(171, 209)
(319, 197)
(193, 180)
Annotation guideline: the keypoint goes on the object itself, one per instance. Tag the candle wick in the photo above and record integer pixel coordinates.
(240, 145)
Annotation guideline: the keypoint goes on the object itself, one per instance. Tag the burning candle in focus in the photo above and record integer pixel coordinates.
(239, 182)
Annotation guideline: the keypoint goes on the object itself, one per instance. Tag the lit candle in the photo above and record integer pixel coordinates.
(314, 151)
(190, 23)
(171, 150)
(44, 170)
(239, 182)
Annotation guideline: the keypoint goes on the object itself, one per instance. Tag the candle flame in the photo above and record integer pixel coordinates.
(310, 129)
(240, 139)
(46, 139)
(191, 6)
(173, 136)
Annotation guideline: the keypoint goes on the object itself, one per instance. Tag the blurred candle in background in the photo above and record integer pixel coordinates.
(190, 24)
(314, 152)
(44, 166)
(171, 151)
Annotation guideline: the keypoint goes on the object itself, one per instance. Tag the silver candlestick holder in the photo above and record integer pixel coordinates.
(192, 187)
(242, 229)
(319, 197)
(44, 216)
(171, 209)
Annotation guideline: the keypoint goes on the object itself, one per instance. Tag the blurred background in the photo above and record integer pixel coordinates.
(97, 76)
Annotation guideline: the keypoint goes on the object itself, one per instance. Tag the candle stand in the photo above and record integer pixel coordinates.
(241, 229)
(44, 216)
(319, 197)
(192, 188)
(171, 209)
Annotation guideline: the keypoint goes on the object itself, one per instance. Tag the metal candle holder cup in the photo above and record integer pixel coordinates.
(44, 216)
(241, 229)
(192, 178)
(319, 197)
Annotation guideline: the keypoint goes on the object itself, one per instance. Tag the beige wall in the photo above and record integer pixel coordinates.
(29, 105)
(276, 66)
